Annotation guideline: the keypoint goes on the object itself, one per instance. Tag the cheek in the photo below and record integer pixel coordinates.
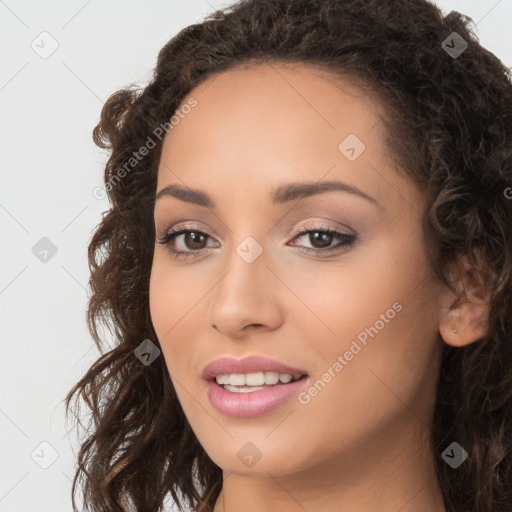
(373, 372)
(375, 309)
(170, 301)
(173, 293)
(343, 297)
(161, 302)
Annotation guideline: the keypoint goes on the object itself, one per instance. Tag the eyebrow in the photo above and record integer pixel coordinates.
(280, 195)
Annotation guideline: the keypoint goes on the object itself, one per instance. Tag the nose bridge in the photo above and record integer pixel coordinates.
(246, 294)
(247, 275)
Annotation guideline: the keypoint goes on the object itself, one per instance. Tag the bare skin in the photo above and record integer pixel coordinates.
(359, 444)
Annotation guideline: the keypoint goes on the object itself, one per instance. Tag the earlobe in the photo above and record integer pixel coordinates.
(464, 324)
(465, 319)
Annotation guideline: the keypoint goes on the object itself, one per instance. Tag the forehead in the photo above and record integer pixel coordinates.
(267, 124)
(291, 94)
(267, 105)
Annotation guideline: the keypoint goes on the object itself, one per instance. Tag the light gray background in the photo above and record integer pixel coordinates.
(50, 167)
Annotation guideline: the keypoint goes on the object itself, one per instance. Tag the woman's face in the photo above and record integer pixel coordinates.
(360, 319)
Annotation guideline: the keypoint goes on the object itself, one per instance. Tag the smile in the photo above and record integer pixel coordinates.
(251, 386)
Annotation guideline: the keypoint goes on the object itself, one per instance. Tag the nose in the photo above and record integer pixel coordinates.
(247, 296)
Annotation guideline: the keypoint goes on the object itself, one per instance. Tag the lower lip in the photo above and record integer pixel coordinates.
(254, 403)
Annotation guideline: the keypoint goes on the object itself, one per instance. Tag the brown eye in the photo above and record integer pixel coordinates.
(320, 240)
(194, 240)
(323, 240)
(184, 243)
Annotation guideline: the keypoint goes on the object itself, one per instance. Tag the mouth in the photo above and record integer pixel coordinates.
(255, 381)
(251, 371)
(245, 394)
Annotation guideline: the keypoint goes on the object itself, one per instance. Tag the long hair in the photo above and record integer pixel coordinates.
(448, 127)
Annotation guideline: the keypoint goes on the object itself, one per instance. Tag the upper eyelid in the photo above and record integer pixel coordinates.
(298, 232)
(324, 227)
(187, 227)
(316, 225)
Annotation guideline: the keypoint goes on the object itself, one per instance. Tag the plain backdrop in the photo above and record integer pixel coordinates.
(50, 166)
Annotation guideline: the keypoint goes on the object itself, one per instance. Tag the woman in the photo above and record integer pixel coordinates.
(307, 267)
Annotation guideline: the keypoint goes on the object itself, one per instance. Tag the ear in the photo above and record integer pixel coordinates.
(465, 318)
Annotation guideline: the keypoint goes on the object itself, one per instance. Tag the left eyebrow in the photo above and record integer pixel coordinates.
(280, 195)
(292, 191)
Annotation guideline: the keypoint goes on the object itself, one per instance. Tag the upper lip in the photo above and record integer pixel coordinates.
(251, 364)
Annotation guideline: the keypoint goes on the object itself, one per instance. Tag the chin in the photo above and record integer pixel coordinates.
(256, 459)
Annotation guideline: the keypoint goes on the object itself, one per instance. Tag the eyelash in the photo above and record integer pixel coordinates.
(349, 240)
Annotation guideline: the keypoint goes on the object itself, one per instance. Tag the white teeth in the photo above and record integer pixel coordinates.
(235, 389)
(237, 379)
(222, 379)
(273, 377)
(253, 379)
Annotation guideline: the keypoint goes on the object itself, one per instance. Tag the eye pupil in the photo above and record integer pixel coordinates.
(192, 236)
(324, 238)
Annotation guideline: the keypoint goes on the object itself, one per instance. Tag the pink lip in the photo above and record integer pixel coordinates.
(254, 403)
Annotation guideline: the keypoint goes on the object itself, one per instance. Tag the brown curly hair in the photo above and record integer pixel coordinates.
(449, 128)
